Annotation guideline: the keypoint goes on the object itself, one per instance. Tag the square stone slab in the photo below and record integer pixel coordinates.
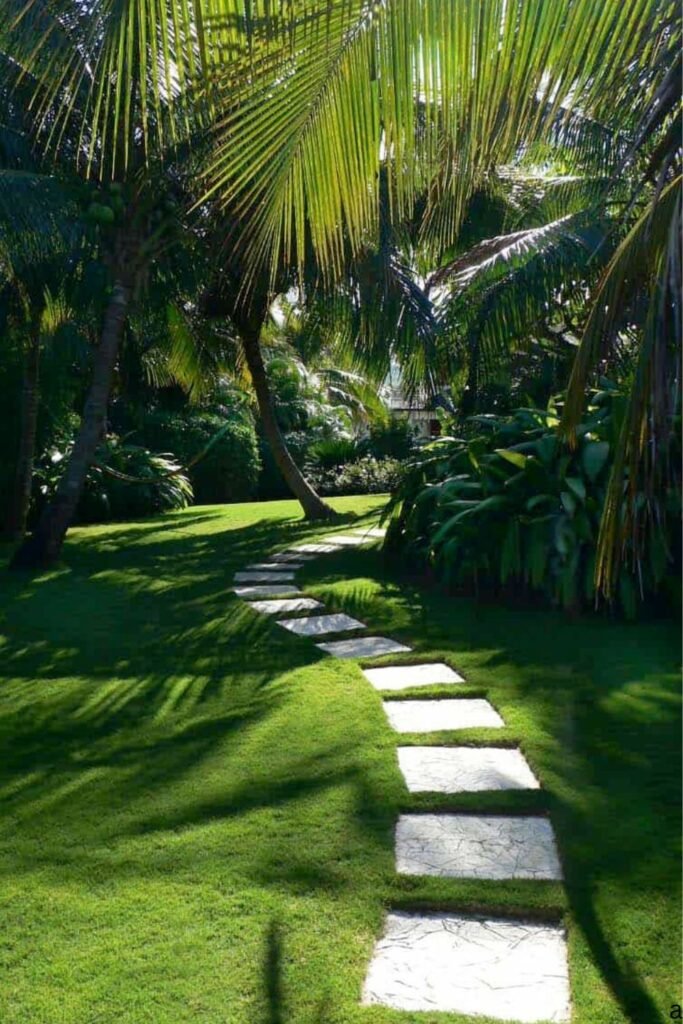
(290, 556)
(432, 715)
(346, 540)
(275, 566)
(400, 677)
(263, 577)
(316, 625)
(374, 531)
(363, 647)
(286, 604)
(314, 549)
(510, 970)
(473, 846)
(267, 590)
(464, 769)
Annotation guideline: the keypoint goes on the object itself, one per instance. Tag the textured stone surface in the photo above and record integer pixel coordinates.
(286, 604)
(349, 540)
(473, 846)
(374, 531)
(266, 590)
(317, 625)
(510, 970)
(290, 556)
(314, 549)
(433, 715)
(263, 577)
(274, 566)
(400, 677)
(363, 647)
(464, 769)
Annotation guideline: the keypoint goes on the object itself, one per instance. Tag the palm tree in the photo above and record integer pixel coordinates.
(308, 105)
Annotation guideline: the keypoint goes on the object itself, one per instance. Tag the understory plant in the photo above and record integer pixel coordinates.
(367, 475)
(126, 481)
(514, 508)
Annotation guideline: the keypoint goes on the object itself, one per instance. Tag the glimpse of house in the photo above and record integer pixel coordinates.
(420, 408)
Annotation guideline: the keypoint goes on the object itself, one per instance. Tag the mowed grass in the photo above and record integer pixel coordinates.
(198, 808)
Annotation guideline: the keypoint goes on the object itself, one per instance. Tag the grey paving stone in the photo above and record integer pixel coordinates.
(510, 970)
(263, 577)
(346, 539)
(317, 625)
(363, 647)
(433, 715)
(266, 590)
(286, 604)
(290, 556)
(464, 769)
(401, 677)
(476, 846)
(314, 549)
(274, 566)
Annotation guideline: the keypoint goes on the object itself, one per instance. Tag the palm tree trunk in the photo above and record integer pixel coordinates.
(313, 505)
(20, 499)
(44, 546)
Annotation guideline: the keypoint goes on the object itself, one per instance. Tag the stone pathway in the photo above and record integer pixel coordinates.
(469, 964)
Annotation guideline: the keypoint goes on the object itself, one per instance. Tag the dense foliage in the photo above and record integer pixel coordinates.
(229, 470)
(511, 508)
(126, 482)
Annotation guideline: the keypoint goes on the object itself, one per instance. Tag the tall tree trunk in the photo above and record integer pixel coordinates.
(20, 499)
(313, 505)
(44, 546)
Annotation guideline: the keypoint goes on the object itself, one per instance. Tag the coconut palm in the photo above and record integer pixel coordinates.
(307, 106)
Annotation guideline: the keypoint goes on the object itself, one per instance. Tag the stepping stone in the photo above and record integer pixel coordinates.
(286, 604)
(346, 540)
(275, 566)
(266, 590)
(375, 531)
(464, 769)
(263, 577)
(314, 549)
(290, 556)
(363, 647)
(400, 677)
(433, 715)
(473, 846)
(315, 625)
(510, 970)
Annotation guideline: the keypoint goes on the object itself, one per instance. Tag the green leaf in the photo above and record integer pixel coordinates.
(593, 458)
(577, 486)
(568, 502)
(516, 458)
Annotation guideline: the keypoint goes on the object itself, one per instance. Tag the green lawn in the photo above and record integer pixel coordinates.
(198, 810)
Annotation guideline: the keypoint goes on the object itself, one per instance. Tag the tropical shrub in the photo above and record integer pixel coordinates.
(390, 439)
(366, 475)
(120, 490)
(230, 469)
(514, 508)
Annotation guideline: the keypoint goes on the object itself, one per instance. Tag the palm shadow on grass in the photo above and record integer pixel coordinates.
(605, 737)
(144, 624)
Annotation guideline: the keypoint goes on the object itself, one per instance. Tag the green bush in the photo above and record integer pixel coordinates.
(367, 475)
(229, 471)
(394, 439)
(107, 497)
(513, 508)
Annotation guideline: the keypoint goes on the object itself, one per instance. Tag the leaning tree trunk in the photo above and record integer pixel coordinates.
(20, 499)
(44, 546)
(314, 507)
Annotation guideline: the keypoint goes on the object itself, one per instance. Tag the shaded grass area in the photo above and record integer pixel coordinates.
(198, 808)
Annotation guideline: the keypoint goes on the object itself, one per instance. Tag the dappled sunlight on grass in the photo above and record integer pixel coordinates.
(202, 805)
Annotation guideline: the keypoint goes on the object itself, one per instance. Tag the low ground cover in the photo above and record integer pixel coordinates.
(199, 809)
